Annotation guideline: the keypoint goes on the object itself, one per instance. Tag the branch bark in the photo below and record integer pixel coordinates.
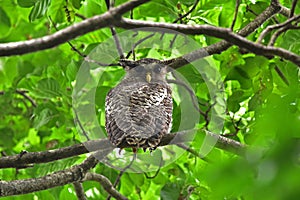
(71, 32)
(106, 184)
(79, 191)
(223, 33)
(217, 48)
(59, 178)
(104, 146)
(113, 16)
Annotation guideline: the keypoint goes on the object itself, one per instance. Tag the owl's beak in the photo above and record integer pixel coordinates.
(148, 77)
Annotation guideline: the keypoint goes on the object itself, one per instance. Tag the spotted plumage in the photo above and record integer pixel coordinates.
(139, 108)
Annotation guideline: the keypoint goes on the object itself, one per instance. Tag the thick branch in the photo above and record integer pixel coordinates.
(223, 33)
(103, 145)
(59, 178)
(23, 159)
(223, 45)
(60, 37)
(111, 17)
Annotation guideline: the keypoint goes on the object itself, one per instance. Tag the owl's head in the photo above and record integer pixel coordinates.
(145, 70)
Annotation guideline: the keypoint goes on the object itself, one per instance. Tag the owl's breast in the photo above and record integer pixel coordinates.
(139, 111)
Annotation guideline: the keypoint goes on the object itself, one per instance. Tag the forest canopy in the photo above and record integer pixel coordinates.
(234, 72)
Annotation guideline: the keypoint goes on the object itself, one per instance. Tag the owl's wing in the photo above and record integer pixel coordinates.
(151, 106)
(139, 113)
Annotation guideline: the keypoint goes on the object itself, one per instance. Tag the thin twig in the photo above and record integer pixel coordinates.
(124, 170)
(223, 33)
(109, 5)
(106, 184)
(277, 26)
(24, 94)
(117, 42)
(190, 91)
(279, 32)
(206, 116)
(77, 121)
(237, 4)
(80, 16)
(186, 14)
(100, 63)
(173, 41)
(117, 181)
(85, 57)
(157, 171)
(138, 43)
(281, 75)
(293, 8)
(194, 152)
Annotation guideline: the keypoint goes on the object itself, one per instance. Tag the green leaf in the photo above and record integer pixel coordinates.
(242, 72)
(170, 191)
(234, 100)
(39, 10)
(127, 186)
(76, 3)
(6, 138)
(48, 88)
(4, 19)
(67, 193)
(255, 101)
(25, 68)
(43, 118)
(138, 179)
(226, 14)
(241, 76)
(57, 11)
(26, 3)
(101, 95)
(10, 71)
(72, 70)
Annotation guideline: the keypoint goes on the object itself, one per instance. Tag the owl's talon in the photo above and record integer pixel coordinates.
(120, 151)
(134, 150)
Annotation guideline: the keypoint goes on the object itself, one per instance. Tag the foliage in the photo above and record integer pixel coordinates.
(263, 107)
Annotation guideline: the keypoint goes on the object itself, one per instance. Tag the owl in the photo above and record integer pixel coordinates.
(138, 110)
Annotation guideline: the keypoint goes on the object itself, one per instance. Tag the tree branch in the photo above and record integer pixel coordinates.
(59, 178)
(216, 48)
(236, 11)
(110, 17)
(103, 145)
(189, 12)
(113, 31)
(23, 159)
(79, 191)
(223, 33)
(293, 8)
(106, 184)
(71, 32)
(276, 26)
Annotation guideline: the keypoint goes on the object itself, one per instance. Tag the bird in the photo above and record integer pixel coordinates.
(138, 110)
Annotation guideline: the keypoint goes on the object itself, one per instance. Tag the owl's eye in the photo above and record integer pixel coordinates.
(139, 69)
(157, 69)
